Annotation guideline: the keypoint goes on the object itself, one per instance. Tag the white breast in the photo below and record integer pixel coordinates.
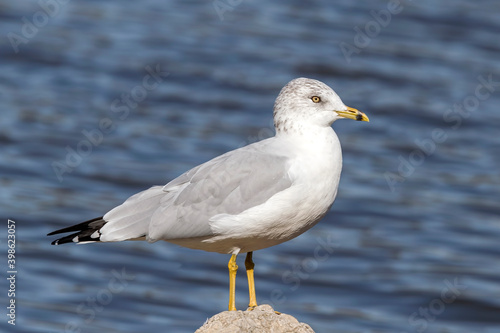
(315, 173)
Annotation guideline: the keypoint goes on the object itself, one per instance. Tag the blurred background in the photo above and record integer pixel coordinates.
(102, 99)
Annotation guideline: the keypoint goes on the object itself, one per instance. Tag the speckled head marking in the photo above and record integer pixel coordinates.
(305, 101)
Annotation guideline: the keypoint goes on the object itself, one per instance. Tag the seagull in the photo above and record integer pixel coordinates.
(248, 199)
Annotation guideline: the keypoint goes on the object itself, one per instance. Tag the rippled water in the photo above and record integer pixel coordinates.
(412, 238)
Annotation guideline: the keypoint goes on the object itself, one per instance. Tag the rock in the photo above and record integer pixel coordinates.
(260, 319)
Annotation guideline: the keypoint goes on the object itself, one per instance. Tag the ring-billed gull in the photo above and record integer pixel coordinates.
(245, 200)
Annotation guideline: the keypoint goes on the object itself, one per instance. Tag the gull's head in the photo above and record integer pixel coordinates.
(310, 102)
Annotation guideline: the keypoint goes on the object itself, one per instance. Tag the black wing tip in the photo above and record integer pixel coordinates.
(82, 229)
(65, 239)
(76, 227)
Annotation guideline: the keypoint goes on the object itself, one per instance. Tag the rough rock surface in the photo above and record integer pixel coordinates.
(260, 319)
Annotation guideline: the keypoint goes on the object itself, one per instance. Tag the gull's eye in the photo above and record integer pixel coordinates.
(316, 99)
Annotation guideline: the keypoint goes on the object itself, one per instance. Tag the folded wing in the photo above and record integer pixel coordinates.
(229, 184)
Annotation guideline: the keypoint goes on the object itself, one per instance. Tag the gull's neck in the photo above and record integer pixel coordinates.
(312, 137)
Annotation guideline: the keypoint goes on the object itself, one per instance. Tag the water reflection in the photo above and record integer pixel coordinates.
(397, 250)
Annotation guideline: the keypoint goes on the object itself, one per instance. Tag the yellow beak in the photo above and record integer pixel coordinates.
(352, 113)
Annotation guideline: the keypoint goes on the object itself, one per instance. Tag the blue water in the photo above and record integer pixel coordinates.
(413, 238)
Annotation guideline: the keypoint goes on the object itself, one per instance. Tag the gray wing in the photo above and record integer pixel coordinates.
(228, 184)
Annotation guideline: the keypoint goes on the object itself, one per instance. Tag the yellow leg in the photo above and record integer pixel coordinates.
(232, 282)
(249, 265)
